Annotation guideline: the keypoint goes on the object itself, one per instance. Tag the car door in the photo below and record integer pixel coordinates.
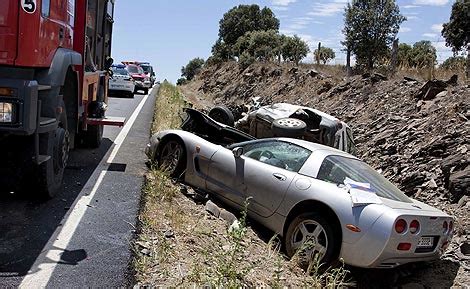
(263, 173)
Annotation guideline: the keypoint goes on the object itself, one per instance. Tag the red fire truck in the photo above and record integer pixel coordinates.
(54, 70)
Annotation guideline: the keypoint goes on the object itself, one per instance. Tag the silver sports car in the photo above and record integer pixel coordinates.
(310, 194)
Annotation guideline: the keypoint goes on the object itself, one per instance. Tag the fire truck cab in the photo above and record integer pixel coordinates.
(54, 70)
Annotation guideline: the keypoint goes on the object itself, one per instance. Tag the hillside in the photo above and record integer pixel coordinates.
(420, 141)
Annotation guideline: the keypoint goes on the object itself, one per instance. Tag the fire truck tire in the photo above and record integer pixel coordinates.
(50, 173)
(93, 136)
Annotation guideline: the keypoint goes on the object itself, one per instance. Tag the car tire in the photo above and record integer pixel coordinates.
(288, 127)
(223, 115)
(146, 90)
(172, 158)
(320, 232)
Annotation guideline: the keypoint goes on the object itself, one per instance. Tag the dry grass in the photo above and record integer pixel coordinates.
(180, 244)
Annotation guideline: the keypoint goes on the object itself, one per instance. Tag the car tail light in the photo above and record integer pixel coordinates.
(400, 226)
(445, 226)
(414, 227)
(404, 246)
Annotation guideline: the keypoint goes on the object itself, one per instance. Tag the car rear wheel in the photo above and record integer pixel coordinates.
(223, 115)
(311, 238)
(288, 127)
(172, 158)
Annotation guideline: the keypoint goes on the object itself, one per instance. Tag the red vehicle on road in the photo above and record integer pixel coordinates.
(142, 80)
(54, 63)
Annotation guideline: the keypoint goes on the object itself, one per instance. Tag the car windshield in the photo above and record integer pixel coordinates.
(134, 69)
(338, 169)
(279, 154)
(120, 71)
(146, 68)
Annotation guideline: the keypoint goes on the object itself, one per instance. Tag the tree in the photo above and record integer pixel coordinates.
(457, 31)
(325, 54)
(454, 63)
(192, 68)
(260, 45)
(423, 54)
(242, 19)
(293, 48)
(370, 26)
(221, 51)
(404, 55)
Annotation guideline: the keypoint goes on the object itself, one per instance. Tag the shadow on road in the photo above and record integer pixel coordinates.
(26, 225)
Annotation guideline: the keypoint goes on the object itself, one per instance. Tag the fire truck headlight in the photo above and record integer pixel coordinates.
(6, 112)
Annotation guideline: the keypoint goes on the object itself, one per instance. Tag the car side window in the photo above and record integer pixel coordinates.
(278, 153)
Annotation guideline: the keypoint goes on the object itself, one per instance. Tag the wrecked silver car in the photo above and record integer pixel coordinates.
(288, 120)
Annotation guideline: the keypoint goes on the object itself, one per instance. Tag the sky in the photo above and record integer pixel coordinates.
(169, 33)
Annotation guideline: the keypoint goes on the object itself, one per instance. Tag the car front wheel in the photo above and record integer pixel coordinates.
(310, 237)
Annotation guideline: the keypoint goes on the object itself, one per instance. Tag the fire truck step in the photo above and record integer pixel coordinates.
(108, 120)
(44, 87)
(47, 124)
(42, 159)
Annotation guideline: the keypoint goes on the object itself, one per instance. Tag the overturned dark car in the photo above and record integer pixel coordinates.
(276, 120)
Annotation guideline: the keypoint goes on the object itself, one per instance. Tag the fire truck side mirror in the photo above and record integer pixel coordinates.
(109, 61)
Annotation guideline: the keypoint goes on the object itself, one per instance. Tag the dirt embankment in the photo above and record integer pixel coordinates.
(416, 136)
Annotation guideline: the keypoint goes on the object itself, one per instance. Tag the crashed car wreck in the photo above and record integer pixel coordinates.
(319, 200)
(276, 120)
(288, 120)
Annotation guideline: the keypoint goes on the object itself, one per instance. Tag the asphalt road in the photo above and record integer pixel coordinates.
(81, 238)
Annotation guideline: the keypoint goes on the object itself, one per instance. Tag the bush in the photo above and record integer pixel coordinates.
(325, 54)
(294, 48)
(192, 68)
(456, 63)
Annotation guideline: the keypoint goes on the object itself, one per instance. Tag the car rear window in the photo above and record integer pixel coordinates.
(337, 169)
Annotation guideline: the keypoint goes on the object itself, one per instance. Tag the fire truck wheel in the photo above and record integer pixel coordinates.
(93, 136)
(50, 173)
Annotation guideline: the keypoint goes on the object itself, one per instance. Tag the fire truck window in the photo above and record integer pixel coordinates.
(110, 9)
(46, 8)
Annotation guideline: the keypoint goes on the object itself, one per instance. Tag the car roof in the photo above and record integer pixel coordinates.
(118, 66)
(316, 147)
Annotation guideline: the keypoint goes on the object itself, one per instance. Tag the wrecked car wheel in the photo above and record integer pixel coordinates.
(172, 158)
(310, 237)
(288, 127)
(223, 115)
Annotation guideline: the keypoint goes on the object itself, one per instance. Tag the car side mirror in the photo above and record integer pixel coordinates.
(237, 152)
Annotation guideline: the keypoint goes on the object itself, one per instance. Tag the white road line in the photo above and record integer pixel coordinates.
(45, 264)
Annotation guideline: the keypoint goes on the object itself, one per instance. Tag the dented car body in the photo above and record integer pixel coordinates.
(318, 199)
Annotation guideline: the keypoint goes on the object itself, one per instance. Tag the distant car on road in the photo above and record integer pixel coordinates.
(121, 81)
(322, 201)
(149, 71)
(142, 81)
